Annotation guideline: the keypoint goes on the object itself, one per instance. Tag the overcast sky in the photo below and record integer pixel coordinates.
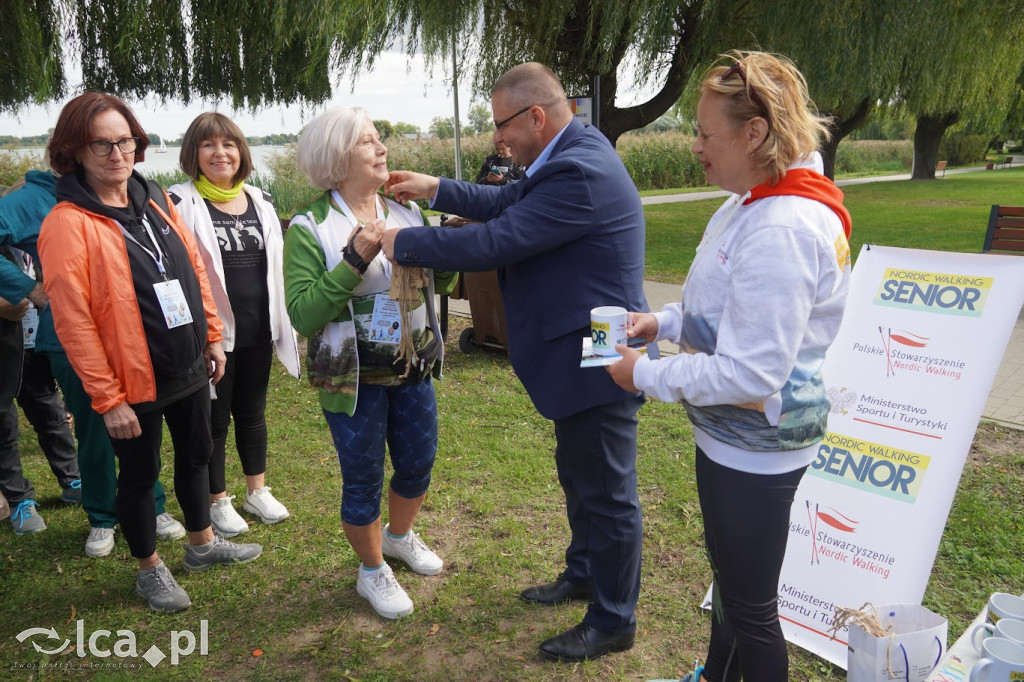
(398, 89)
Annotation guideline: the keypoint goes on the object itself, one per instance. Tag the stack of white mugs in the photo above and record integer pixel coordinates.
(1000, 640)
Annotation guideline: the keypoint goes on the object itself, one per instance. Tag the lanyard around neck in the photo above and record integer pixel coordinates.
(347, 211)
(157, 257)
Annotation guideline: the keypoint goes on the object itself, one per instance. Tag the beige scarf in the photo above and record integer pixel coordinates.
(406, 282)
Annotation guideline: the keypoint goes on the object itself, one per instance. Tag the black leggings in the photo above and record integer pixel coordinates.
(746, 525)
(241, 392)
(188, 420)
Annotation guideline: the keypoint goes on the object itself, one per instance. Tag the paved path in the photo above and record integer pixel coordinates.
(1005, 403)
(716, 194)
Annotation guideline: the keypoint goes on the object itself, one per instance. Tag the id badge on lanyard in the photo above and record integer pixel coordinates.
(168, 292)
(386, 325)
(30, 325)
(173, 303)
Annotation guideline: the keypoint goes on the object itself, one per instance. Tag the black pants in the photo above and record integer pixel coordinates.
(188, 420)
(44, 409)
(746, 526)
(242, 393)
(596, 460)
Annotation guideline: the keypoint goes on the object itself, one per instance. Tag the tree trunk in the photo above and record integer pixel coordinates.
(840, 128)
(617, 120)
(828, 156)
(927, 136)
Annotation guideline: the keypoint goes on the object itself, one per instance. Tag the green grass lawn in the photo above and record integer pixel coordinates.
(494, 512)
(949, 214)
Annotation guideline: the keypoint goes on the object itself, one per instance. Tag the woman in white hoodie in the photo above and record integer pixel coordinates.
(761, 304)
(239, 236)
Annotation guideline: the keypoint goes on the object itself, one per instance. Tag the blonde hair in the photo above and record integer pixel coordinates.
(758, 84)
(326, 144)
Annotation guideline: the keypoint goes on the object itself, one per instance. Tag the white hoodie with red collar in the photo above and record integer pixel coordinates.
(762, 303)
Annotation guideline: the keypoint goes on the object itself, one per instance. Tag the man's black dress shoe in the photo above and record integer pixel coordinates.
(557, 592)
(583, 642)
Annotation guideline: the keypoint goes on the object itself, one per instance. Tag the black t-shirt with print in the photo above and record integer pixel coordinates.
(244, 255)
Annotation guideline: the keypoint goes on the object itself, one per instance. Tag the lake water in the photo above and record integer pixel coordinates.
(166, 163)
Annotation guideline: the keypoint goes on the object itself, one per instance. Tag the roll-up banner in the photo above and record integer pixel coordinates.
(907, 377)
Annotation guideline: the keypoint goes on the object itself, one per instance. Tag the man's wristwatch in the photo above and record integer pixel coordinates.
(352, 257)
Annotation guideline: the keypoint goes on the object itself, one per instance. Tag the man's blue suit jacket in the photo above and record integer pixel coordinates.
(568, 238)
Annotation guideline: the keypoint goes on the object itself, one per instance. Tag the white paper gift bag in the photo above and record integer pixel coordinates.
(914, 646)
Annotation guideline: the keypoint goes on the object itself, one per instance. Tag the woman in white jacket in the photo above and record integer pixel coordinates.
(761, 304)
(239, 236)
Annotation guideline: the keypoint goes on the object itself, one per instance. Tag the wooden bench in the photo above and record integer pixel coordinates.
(941, 167)
(1006, 162)
(1005, 233)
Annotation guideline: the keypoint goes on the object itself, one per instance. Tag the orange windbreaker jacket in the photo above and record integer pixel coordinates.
(89, 283)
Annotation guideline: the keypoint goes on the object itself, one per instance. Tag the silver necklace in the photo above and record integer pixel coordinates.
(237, 216)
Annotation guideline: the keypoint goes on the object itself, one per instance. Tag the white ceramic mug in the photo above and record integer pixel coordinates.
(607, 328)
(1002, 605)
(1001, 660)
(1006, 628)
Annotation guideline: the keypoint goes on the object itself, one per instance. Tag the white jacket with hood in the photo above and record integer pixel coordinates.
(195, 214)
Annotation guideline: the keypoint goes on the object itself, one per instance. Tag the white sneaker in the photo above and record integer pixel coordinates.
(100, 542)
(261, 503)
(383, 592)
(167, 528)
(225, 519)
(412, 551)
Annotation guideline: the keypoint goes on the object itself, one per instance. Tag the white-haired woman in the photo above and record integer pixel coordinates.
(239, 237)
(337, 285)
(762, 303)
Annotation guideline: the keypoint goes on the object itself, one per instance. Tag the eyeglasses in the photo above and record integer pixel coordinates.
(127, 145)
(737, 69)
(499, 126)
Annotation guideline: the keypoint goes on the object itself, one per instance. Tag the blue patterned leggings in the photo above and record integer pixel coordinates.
(405, 418)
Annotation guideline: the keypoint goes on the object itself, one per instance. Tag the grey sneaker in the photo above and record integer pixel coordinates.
(219, 551)
(73, 493)
(168, 528)
(100, 542)
(25, 520)
(159, 588)
(412, 551)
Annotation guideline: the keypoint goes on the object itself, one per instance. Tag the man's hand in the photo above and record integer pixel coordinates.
(622, 371)
(215, 361)
(406, 185)
(122, 423)
(12, 312)
(493, 177)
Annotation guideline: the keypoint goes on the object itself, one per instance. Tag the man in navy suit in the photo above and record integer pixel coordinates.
(566, 238)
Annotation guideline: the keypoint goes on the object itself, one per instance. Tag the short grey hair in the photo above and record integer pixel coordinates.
(326, 144)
